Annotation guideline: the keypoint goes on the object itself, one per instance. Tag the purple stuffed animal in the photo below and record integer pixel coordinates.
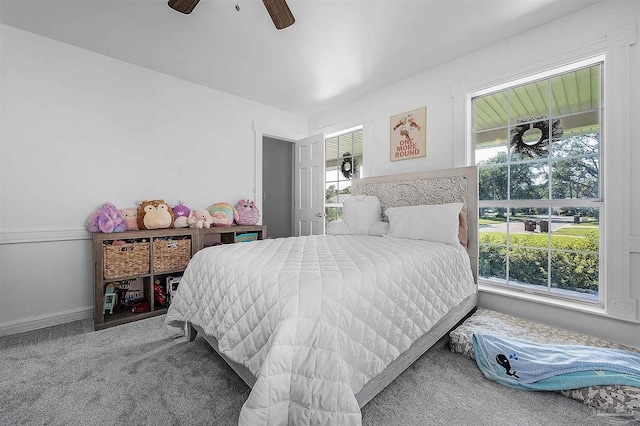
(107, 219)
(181, 214)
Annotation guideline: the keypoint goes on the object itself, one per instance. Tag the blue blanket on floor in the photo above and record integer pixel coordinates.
(535, 366)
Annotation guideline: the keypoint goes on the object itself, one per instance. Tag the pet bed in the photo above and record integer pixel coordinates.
(619, 399)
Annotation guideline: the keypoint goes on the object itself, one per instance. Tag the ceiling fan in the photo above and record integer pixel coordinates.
(278, 9)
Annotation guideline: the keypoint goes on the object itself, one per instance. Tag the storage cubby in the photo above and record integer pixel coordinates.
(135, 261)
(227, 234)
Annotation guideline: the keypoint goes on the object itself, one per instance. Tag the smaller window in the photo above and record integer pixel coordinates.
(343, 162)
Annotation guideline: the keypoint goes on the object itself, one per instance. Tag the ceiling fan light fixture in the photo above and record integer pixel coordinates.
(183, 6)
(280, 13)
(278, 10)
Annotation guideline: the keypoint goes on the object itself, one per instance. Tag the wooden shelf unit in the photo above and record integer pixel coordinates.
(198, 238)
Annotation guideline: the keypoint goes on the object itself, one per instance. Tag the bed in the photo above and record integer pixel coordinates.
(318, 325)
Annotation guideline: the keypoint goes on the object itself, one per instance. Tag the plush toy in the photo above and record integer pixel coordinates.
(248, 213)
(154, 214)
(180, 215)
(107, 219)
(223, 214)
(130, 218)
(199, 218)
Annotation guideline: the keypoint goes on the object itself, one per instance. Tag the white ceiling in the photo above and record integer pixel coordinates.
(335, 52)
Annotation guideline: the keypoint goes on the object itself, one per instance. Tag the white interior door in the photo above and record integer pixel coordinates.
(309, 186)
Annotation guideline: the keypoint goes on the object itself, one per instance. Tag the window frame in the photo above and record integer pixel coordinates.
(620, 301)
(549, 202)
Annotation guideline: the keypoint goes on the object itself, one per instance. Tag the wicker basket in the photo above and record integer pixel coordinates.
(126, 260)
(171, 254)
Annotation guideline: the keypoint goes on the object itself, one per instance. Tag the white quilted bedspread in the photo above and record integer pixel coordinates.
(314, 318)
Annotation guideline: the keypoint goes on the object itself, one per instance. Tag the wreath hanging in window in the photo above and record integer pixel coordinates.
(534, 125)
(348, 164)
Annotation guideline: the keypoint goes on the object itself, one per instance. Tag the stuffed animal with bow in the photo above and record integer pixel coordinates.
(200, 218)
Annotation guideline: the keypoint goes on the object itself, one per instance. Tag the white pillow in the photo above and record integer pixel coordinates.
(438, 222)
(360, 212)
(379, 229)
(337, 227)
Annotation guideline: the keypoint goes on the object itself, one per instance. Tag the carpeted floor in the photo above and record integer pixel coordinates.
(142, 374)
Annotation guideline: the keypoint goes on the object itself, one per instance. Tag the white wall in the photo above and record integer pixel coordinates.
(79, 129)
(434, 89)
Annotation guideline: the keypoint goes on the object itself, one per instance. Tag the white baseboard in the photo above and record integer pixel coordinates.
(35, 323)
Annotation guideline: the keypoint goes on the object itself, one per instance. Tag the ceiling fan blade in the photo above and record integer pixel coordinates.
(280, 13)
(184, 6)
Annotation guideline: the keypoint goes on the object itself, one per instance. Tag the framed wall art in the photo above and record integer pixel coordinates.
(409, 135)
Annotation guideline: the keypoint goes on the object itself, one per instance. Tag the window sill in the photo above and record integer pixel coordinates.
(591, 309)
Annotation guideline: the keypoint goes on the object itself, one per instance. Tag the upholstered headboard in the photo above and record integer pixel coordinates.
(459, 185)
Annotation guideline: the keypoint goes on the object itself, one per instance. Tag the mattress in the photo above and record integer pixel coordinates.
(316, 317)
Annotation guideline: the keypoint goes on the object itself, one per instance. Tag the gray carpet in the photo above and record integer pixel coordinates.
(142, 374)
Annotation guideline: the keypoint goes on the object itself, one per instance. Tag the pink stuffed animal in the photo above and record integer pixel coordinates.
(130, 218)
(199, 219)
(107, 219)
(248, 213)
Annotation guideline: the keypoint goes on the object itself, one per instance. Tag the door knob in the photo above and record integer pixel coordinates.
(319, 214)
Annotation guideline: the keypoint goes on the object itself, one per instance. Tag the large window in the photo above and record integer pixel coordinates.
(537, 148)
(343, 156)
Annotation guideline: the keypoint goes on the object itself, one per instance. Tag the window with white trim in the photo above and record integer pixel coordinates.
(537, 146)
(343, 157)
